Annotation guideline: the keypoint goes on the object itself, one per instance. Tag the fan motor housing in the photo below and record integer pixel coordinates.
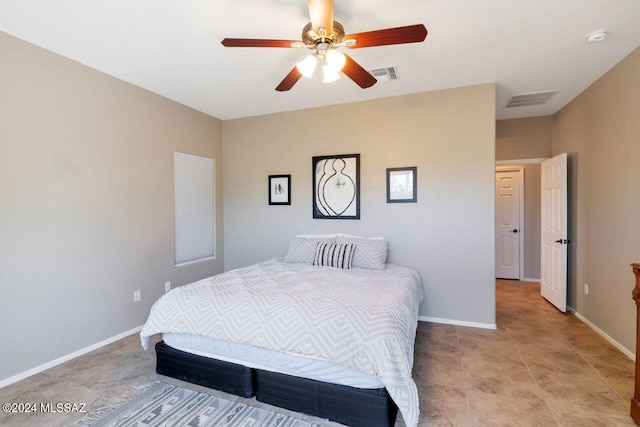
(310, 38)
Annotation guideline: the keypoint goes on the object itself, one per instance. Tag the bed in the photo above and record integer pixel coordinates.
(300, 332)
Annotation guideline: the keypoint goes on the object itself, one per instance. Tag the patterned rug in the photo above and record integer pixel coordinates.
(161, 404)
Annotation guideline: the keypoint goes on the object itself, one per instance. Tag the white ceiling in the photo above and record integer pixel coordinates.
(172, 47)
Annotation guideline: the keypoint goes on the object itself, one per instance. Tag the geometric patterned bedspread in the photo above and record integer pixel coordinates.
(363, 319)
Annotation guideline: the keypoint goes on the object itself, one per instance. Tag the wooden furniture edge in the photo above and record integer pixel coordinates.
(635, 400)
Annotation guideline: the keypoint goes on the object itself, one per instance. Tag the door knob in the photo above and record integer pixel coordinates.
(562, 241)
(515, 230)
(559, 241)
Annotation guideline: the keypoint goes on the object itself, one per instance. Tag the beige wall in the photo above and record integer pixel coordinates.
(532, 220)
(86, 203)
(448, 236)
(528, 138)
(600, 131)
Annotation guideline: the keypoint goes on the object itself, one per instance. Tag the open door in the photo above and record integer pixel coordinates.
(553, 286)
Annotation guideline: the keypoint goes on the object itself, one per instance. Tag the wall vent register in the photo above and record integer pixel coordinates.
(529, 99)
(385, 74)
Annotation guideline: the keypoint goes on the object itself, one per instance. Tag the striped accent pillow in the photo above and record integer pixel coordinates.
(334, 255)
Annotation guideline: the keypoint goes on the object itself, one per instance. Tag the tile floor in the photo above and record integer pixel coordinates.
(539, 368)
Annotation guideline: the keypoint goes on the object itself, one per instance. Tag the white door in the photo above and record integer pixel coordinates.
(508, 224)
(553, 260)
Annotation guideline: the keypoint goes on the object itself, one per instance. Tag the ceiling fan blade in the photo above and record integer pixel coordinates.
(290, 80)
(399, 35)
(321, 12)
(257, 43)
(355, 72)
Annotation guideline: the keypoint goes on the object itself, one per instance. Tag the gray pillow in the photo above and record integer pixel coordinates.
(368, 253)
(302, 250)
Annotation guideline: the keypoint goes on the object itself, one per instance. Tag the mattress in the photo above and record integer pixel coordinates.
(272, 361)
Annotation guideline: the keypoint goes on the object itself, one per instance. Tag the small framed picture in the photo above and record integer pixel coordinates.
(402, 185)
(279, 189)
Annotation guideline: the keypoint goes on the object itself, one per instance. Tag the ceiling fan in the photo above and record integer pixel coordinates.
(323, 36)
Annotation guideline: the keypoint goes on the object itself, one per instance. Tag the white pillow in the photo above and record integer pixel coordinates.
(319, 236)
(369, 253)
(303, 249)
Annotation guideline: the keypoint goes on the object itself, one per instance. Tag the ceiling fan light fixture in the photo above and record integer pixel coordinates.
(323, 36)
(329, 75)
(335, 60)
(307, 66)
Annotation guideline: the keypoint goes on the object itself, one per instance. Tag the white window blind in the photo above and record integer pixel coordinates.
(193, 199)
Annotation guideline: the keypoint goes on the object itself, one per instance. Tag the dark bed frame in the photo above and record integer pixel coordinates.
(346, 405)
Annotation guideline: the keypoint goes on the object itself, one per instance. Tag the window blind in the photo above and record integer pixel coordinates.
(193, 198)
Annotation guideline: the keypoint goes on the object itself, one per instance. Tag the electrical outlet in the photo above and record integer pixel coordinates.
(586, 289)
(167, 286)
(136, 295)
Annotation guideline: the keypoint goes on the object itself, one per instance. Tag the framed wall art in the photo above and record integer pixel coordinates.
(279, 189)
(402, 185)
(336, 186)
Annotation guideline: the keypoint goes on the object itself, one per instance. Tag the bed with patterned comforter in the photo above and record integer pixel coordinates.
(362, 319)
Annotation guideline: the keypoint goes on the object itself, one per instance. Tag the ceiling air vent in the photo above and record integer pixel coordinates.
(385, 74)
(529, 99)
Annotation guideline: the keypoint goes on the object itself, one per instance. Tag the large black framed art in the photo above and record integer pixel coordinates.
(336, 186)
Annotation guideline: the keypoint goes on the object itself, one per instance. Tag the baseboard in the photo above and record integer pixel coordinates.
(60, 360)
(604, 335)
(457, 322)
(531, 280)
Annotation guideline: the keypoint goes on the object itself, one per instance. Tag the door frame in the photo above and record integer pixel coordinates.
(520, 170)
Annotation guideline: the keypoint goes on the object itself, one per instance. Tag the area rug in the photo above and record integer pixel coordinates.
(165, 405)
